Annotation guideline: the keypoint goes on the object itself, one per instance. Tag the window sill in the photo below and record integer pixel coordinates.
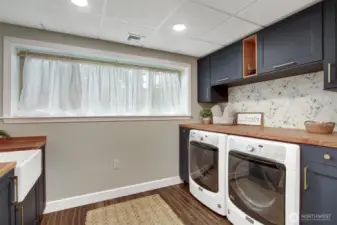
(91, 119)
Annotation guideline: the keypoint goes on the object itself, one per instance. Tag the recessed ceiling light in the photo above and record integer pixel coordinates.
(81, 3)
(179, 27)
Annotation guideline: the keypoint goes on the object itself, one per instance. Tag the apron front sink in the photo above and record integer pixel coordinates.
(28, 169)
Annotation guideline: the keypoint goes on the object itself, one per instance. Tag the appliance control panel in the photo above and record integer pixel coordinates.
(204, 137)
(263, 148)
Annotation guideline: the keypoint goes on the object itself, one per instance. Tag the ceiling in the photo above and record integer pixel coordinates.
(211, 24)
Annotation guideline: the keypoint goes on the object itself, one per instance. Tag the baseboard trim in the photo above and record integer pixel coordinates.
(86, 199)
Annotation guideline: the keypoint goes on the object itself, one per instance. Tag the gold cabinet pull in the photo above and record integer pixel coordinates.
(329, 73)
(305, 178)
(22, 214)
(327, 156)
(15, 180)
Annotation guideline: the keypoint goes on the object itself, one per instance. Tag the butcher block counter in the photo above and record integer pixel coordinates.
(276, 134)
(22, 143)
(6, 167)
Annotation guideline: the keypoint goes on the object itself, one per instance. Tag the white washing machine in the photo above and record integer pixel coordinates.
(207, 170)
(263, 182)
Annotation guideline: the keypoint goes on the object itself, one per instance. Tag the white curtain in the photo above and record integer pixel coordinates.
(61, 88)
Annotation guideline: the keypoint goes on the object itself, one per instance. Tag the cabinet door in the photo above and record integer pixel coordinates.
(204, 80)
(294, 41)
(183, 153)
(40, 196)
(226, 64)
(330, 46)
(7, 209)
(27, 209)
(318, 203)
(205, 92)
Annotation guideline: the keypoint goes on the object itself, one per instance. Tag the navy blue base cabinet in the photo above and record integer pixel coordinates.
(30, 210)
(184, 134)
(318, 185)
(7, 208)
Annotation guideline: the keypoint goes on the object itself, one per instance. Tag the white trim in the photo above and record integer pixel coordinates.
(80, 51)
(6, 78)
(11, 42)
(92, 119)
(109, 194)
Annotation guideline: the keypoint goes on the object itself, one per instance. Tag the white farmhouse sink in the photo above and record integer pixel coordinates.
(28, 169)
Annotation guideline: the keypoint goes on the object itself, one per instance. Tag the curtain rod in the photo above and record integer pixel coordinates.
(92, 61)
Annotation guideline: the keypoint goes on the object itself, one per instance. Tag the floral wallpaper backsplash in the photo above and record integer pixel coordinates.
(287, 102)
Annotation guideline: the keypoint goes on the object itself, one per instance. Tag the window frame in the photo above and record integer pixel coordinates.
(10, 85)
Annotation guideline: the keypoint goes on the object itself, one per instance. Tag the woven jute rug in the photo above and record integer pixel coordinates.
(150, 210)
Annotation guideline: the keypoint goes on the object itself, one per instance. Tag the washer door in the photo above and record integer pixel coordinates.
(204, 168)
(257, 187)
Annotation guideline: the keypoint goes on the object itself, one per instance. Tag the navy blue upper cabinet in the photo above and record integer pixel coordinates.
(330, 47)
(204, 80)
(226, 64)
(294, 41)
(207, 93)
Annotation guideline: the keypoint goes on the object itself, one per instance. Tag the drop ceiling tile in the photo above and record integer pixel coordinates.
(115, 30)
(57, 16)
(94, 6)
(189, 13)
(141, 12)
(266, 12)
(228, 6)
(81, 24)
(20, 13)
(180, 44)
(230, 31)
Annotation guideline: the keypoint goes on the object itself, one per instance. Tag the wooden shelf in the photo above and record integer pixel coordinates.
(249, 55)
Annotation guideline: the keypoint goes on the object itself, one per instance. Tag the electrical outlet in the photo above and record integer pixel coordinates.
(116, 164)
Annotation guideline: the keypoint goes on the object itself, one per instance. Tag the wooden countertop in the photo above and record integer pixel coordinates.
(6, 167)
(277, 134)
(22, 143)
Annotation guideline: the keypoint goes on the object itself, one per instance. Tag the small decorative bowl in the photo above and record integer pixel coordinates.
(319, 127)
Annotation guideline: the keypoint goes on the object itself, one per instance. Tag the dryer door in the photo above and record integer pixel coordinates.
(204, 166)
(257, 187)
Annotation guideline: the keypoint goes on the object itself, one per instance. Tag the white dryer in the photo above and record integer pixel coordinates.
(263, 182)
(207, 170)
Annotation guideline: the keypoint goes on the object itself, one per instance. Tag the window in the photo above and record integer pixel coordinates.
(49, 84)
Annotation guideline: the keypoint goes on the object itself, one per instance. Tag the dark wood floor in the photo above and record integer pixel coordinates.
(190, 210)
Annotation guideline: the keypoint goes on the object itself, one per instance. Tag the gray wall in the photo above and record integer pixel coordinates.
(80, 155)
